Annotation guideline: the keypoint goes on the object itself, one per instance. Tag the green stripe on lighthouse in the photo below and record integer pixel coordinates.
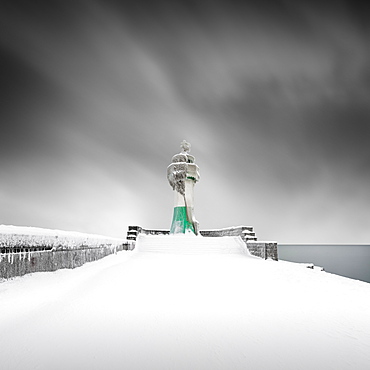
(180, 223)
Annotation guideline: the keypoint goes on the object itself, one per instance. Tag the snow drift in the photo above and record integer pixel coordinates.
(13, 237)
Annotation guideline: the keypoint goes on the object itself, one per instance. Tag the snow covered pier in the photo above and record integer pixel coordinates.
(189, 244)
(157, 307)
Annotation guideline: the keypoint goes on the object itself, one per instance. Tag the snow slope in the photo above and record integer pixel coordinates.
(29, 230)
(153, 308)
(25, 236)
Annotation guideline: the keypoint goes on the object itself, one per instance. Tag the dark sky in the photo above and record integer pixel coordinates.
(96, 97)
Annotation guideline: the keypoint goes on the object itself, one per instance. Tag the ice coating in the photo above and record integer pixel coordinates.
(182, 174)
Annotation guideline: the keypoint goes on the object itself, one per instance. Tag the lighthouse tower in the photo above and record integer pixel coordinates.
(182, 174)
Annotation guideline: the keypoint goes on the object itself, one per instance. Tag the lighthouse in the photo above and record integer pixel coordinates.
(182, 174)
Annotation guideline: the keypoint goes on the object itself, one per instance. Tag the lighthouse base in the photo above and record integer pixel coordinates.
(180, 223)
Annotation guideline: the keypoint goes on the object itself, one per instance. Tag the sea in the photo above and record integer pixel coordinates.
(352, 261)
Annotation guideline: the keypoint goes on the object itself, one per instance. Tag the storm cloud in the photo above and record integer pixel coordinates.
(274, 98)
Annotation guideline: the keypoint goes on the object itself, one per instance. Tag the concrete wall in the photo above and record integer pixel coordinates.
(245, 232)
(26, 261)
(260, 249)
(263, 249)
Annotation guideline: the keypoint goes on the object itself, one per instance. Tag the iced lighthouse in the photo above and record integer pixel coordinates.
(182, 174)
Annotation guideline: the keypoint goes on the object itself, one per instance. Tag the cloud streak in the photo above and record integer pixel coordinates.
(274, 100)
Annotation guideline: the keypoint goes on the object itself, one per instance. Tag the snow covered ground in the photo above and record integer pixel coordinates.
(25, 236)
(174, 304)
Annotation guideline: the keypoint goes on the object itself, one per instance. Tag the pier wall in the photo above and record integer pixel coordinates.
(21, 261)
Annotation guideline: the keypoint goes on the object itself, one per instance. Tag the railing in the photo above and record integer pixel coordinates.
(23, 254)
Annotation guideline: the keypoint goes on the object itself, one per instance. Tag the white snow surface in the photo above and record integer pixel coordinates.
(38, 231)
(172, 303)
(14, 236)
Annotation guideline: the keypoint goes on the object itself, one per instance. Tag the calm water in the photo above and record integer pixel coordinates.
(351, 261)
